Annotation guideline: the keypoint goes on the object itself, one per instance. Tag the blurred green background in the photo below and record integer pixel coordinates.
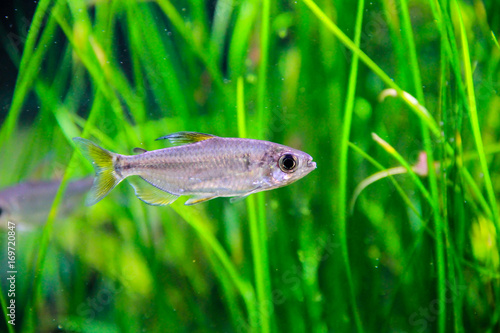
(416, 253)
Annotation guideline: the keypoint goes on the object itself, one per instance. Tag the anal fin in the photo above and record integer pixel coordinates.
(151, 194)
(199, 198)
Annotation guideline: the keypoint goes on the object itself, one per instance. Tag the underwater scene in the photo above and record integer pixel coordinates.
(250, 166)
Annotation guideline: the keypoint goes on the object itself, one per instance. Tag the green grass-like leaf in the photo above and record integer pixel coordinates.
(312, 75)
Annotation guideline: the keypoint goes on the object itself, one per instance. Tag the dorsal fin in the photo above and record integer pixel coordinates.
(140, 150)
(184, 138)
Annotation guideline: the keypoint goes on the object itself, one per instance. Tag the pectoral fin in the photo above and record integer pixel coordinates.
(198, 199)
(151, 194)
(239, 198)
(183, 138)
(244, 195)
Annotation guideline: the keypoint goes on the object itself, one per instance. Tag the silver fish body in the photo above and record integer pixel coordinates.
(204, 167)
(28, 204)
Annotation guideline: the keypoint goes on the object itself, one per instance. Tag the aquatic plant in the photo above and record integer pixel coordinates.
(411, 255)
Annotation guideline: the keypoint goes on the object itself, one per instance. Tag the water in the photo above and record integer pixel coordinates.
(417, 252)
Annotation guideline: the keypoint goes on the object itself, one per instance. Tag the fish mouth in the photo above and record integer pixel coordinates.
(311, 164)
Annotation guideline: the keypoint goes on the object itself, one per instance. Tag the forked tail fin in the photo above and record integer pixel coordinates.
(102, 160)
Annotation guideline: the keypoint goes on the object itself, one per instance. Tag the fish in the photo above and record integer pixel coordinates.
(201, 166)
(28, 203)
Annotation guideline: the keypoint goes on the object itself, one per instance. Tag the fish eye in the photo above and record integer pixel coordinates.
(1, 211)
(288, 163)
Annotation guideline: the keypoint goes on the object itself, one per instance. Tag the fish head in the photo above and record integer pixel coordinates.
(289, 165)
(2, 211)
(5, 213)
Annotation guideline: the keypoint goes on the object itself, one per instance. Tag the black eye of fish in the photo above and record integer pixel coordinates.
(1, 211)
(287, 163)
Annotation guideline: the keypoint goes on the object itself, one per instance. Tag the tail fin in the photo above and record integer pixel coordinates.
(102, 160)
